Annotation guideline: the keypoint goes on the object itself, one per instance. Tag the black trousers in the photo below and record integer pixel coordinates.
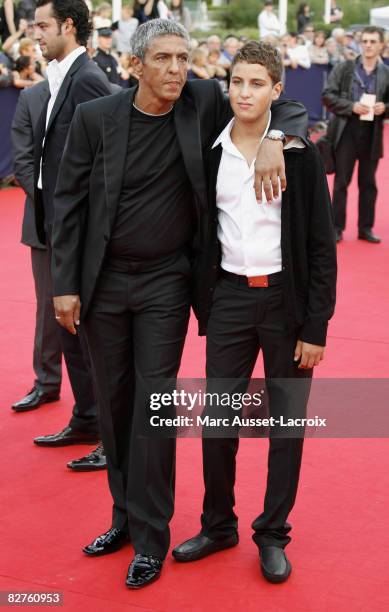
(136, 329)
(47, 355)
(75, 350)
(244, 320)
(355, 144)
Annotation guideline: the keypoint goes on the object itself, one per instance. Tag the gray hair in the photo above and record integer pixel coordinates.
(145, 34)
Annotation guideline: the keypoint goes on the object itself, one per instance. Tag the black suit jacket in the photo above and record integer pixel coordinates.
(91, 174)
(24, 134)
(84, 81)
(307, 246)
(338, 98)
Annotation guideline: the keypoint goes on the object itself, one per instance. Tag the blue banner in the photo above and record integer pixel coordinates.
(306, 86)
(8, 100)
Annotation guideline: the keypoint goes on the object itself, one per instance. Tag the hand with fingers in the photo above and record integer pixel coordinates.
(360, 109)
(67, 311)
(270, 170)
(379, 108)
(309, 355)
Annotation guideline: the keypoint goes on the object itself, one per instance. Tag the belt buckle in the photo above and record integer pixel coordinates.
(258, 281)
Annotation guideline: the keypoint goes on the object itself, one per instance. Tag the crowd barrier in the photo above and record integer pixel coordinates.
(8, 100)
(306, 86)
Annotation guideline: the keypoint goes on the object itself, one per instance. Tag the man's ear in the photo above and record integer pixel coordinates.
(68, 26)
(137, 66)
(277, 89)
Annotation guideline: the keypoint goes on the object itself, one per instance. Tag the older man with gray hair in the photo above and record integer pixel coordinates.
(130, 199)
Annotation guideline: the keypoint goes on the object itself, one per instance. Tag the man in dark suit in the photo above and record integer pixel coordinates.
(356, 130)
(131, 192)
(47, 355)
(266, 282)
(62, 29)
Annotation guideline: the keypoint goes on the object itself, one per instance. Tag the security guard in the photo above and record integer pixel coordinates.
(103, 57)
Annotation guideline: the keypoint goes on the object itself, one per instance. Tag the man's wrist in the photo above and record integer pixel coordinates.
(276, 135)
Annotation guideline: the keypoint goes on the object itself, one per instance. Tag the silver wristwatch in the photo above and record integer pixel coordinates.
(276, 135)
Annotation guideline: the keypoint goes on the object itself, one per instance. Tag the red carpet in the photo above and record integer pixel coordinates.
(340, 536)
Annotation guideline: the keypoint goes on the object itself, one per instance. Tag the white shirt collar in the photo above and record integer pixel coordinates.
(57, 71)
(224, 137)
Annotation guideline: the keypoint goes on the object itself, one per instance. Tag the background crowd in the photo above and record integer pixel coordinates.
(22, 65)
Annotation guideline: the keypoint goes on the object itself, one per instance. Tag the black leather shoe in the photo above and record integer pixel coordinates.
(96, 460)
(201, 546)
(34, 398)
(143, 570)
(275, 565)
(338, 235)
(66, 437)
(369, 236)
(109, 542)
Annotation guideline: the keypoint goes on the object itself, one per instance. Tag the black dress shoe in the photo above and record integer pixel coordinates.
(96, 460)
(201, 546)
(338, 235)
(275, 565)
(369, 236)
(66, 437)
(34, 399)
(143, 570)
(109, 542)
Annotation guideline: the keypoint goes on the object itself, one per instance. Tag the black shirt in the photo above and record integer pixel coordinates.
(155, 210)
(302, 21)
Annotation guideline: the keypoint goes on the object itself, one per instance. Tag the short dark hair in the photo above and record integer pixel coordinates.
(374, 30)
(230, 36)
(262, 53)
(22, 62)
(76, 10)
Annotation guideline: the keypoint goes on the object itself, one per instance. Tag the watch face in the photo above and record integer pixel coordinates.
(276, 135)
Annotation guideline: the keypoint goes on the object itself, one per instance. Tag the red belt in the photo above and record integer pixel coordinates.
(265, 280)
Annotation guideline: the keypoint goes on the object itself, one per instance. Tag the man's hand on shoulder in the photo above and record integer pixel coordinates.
(270, 170)
(67, 311)
(310, 355)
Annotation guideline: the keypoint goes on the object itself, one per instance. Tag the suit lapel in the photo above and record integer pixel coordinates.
(116, 126)
(189, 137)
(44, 93)
(39, 134)
(213, 160)
(80, 61)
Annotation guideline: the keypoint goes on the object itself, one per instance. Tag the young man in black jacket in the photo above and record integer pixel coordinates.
(273, 267)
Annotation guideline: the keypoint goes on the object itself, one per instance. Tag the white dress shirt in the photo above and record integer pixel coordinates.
(56, 73)
(249, 232)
